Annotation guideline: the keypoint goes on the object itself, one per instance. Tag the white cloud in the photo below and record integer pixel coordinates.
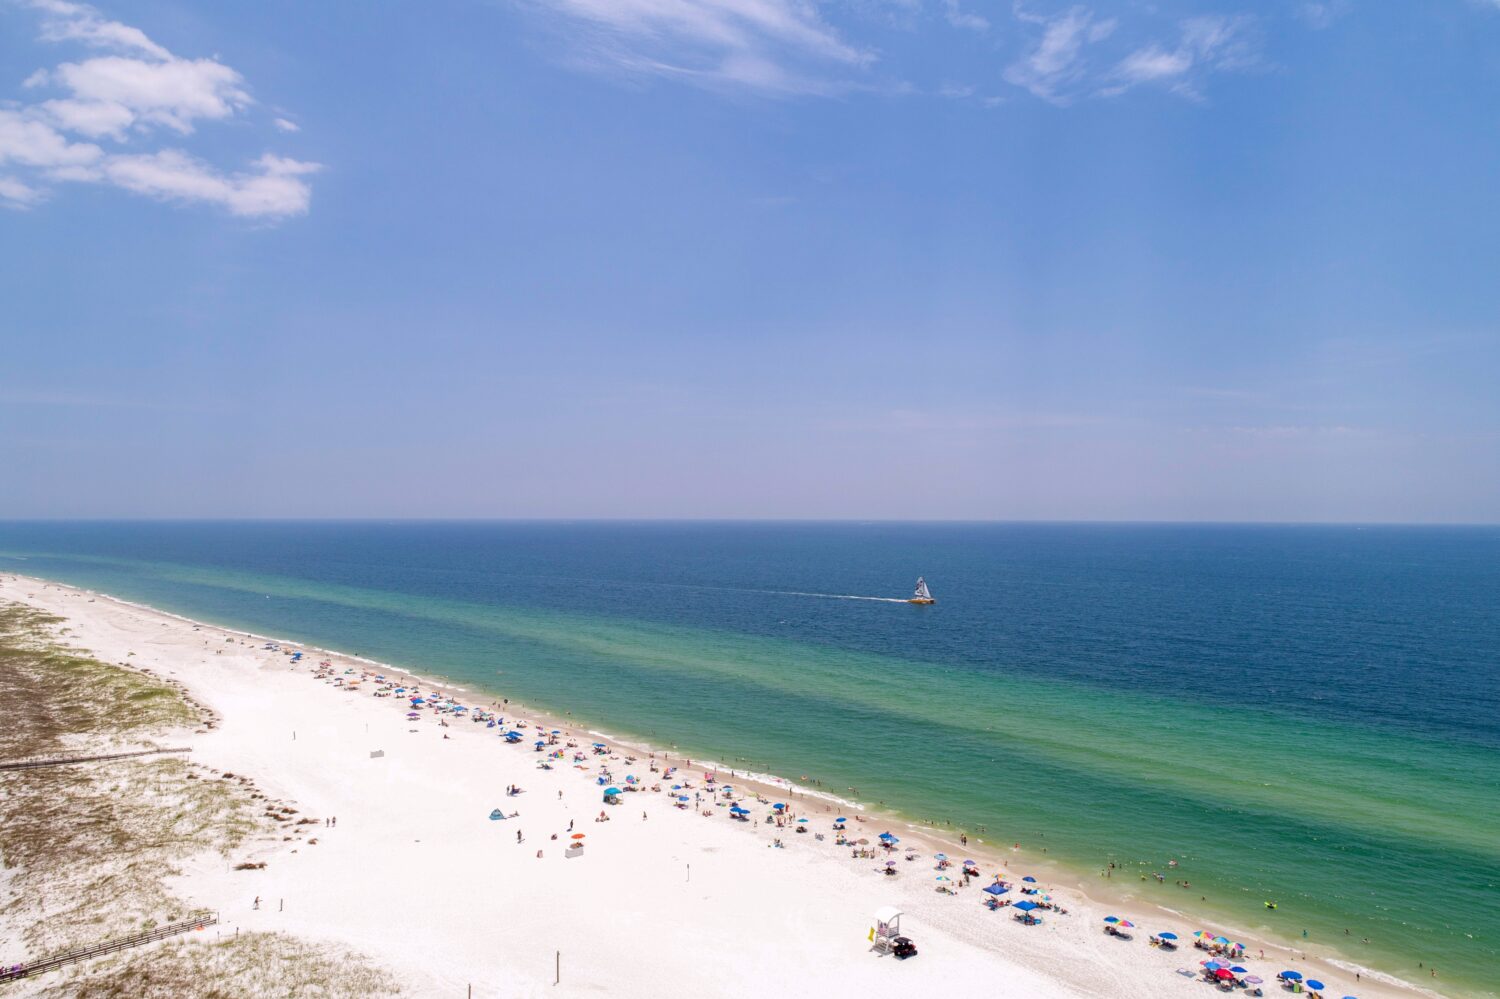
(286, 126)
(171, 92)
(764, 45)
(274, 189)
(1054, 64)
(24, 141)
(124, 96)
(65, 21)
(15, 194)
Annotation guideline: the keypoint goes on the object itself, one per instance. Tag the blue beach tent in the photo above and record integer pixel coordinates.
(996, 890)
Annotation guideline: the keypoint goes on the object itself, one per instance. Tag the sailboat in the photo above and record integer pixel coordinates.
(922, 595)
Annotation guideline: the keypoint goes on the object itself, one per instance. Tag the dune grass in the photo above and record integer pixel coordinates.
(253, 964)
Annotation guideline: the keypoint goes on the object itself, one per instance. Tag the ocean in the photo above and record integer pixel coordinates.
(1305, 714)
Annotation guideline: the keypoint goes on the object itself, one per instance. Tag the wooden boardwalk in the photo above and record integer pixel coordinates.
(198, 921)
(61, 761)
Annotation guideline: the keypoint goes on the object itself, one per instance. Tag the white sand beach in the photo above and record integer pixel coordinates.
(662, 900)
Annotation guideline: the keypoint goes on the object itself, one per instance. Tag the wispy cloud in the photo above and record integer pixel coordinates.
(962, 17)
(770, 46)
(1055, 63)
(1320, 14)
(124, 96)
(1205, 44)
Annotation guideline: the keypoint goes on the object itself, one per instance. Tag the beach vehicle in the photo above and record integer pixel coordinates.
(903, 948)
(921, 595)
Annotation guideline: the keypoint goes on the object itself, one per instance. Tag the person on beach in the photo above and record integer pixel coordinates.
(518, 835)
(257, 902)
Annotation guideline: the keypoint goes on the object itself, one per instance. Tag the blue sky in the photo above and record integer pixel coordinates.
(751, 258)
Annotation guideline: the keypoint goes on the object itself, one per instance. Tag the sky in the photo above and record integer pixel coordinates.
(906, 259)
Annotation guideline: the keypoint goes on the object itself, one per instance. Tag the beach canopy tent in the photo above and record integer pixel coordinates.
(996, 890)
(1026, 906)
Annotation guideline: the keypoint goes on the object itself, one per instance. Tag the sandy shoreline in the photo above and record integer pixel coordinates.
(417, 877)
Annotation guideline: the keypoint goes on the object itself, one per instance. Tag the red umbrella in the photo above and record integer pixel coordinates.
(1223, 974)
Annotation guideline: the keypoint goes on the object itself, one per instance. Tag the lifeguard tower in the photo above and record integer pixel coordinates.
(887, 928)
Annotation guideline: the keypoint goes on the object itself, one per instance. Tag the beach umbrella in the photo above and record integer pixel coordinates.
(1294, 976)
(940, 856)
(1315, 985)
(1238, 970)
(779, 805)
(1211, 965)
(1221, 940)
(1111, 919)
(841, 819)
(1166, 936)
(1200, 933)
(943, 877)
(1223, 974)
(1253, 980)
(598, 745)
(800, 821)
(1124, 923)
(611, 790)
(683, 797)
(1026, 906)
(1029, 879)
(578, 835)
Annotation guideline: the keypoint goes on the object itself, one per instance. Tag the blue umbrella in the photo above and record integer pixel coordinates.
(1315, 985)
(1026, 906)
(611, 790)
(779, 805)
(683, 797)
(1029, 879)
(1111, 919)
(1295, 976)
(1212, 965)
(841, 819)
(1166, 936)
(1240, 971)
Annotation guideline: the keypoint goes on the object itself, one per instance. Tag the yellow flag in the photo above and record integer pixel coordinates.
(872, 934)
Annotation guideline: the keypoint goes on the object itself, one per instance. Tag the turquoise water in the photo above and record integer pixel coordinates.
(1310, 714)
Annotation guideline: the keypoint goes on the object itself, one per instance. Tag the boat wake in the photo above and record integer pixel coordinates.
(839, 596)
